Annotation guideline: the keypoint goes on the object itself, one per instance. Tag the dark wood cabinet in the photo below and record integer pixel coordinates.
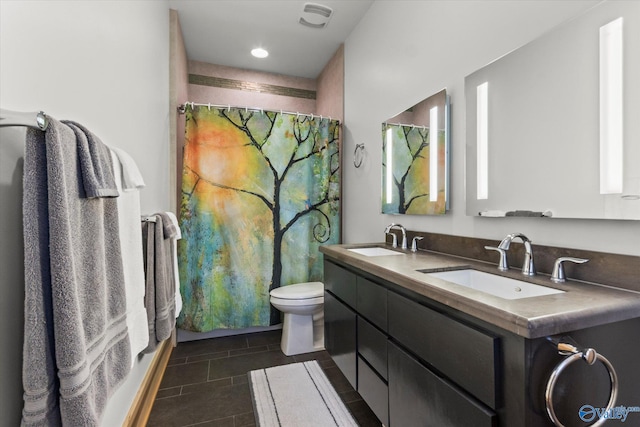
(417, 362)
(340, 336)
(366, 328)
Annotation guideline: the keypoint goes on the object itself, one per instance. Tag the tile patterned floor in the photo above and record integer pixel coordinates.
(206, 382)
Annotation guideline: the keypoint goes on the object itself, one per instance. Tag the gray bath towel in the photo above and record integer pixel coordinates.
(95, 163)
(76, 347)
(159, 277)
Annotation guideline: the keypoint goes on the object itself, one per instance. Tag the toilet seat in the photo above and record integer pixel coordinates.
(299, 291)
(287, 302)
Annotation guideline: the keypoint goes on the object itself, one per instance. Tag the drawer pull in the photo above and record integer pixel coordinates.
(590, 356)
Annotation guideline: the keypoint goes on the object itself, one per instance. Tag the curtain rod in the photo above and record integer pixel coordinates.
(406, 124)
(182, 109)
(36, 120)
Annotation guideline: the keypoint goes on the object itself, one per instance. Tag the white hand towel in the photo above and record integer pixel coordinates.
(176, 273)
(493, 213)
(131, 176)
(132, 260)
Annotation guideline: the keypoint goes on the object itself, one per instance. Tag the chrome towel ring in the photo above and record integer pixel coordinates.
(590, 356)
(358, 155)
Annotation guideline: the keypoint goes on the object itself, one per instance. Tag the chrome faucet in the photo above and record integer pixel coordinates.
(503, 265)
(528, 267)
(558, 275)
(414, 243)
(395, 240)
(394, 237)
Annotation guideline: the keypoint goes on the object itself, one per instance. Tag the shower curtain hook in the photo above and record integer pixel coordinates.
(228, 108)
(192, 105)
(209, 105)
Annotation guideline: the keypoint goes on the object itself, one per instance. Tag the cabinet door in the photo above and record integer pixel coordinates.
(372, 346)
(464, 354)
(418, 397)
(340, 336)
(340, 282)
(371, 302)
(374, 391)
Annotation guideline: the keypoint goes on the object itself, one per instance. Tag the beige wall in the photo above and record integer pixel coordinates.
(330, 98)
(179, 94)
(243, 98)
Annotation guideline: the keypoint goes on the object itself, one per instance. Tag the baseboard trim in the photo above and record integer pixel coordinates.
(143, 402)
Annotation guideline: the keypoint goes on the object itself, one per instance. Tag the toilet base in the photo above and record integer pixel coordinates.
(302, 333)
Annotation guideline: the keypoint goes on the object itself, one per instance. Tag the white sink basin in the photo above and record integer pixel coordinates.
(375, 251)
(500, 286)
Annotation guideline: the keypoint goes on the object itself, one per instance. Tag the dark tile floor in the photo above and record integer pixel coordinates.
(206, 382)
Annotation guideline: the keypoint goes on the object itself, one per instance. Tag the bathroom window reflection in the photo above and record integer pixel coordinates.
(415, 159)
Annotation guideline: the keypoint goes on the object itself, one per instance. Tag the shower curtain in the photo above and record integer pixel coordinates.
(260, 194)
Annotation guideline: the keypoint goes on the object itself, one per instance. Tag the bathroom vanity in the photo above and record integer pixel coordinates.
(426, 352)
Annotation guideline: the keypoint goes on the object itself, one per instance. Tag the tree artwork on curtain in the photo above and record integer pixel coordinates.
(260, 194)
(405, 170)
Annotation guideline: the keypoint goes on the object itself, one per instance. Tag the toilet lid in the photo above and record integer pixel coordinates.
(299, 291)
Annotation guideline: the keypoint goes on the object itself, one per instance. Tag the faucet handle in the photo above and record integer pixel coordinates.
(395, 239)
(503, 265)
(414, 243)
(558, 275)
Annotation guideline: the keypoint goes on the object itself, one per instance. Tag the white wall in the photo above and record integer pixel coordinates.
(105, 65)
(404, 51)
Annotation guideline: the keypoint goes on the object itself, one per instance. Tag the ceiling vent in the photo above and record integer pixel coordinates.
(315, 15)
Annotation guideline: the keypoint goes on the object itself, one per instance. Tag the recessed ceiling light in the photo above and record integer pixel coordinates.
(259, 52)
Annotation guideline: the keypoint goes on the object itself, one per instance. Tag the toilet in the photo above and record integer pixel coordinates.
(302, 305)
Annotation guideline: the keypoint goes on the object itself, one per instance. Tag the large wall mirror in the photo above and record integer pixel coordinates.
(553, 128)
(415, 159)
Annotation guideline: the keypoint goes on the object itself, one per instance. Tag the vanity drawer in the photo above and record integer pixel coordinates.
(371, 302)
(374, 391)
(372, 346)
(340, 336)
(418, 397)
(340, 282)
(464, 354)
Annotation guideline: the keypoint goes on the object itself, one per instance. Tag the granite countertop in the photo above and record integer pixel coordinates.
(582, 305)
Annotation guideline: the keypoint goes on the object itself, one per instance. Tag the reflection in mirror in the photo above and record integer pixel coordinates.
(552, 128)
(415, 159)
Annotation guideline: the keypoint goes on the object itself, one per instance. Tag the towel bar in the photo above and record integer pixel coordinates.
(37, 120)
